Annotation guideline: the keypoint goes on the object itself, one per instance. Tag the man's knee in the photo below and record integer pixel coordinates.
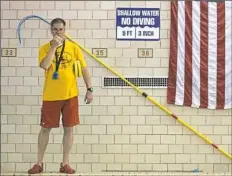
(45, 130)
(68, 130)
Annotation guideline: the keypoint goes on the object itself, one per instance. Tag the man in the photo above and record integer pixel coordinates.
(60, 93)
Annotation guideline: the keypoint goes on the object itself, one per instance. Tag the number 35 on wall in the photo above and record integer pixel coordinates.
(100, 52)
(8, 52)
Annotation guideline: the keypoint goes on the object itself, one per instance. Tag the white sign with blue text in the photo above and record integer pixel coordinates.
(138, 24)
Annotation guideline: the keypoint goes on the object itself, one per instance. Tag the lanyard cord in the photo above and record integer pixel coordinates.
(61, 57)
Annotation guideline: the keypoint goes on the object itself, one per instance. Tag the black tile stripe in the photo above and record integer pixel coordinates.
(137, 81)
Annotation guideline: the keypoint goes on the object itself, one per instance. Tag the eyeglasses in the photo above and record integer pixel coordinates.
(59, 29)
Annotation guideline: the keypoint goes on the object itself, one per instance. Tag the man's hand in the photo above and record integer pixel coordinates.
(88, 97)
(57, 41)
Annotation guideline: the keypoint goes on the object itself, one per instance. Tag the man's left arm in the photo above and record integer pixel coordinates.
(86, 77)
(87, 80)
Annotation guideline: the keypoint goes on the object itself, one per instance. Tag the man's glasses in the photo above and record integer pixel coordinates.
(59, 29)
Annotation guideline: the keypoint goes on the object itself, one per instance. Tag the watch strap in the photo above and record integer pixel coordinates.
(90, 89)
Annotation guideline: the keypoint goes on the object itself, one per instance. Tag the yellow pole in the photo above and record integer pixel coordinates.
(155, 102)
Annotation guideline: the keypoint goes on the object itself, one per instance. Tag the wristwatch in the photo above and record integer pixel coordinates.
(90, 89)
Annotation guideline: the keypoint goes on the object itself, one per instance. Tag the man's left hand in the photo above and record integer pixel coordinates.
(88, 97)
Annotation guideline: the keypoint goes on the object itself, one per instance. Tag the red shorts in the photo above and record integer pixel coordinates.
(51, 111)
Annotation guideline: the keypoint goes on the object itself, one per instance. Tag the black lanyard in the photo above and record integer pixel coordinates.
(61, 56)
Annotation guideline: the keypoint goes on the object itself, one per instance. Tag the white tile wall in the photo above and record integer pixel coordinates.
(120, 130)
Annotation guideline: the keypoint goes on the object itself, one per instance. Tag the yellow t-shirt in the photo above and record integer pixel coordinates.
(65, 86)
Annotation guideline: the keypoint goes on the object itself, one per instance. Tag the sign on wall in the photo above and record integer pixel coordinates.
(8, 52)
(99, 52)
(145, 52)
(138, 24)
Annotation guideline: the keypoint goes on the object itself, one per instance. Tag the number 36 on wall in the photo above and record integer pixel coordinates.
(8, 52)
(145, 52)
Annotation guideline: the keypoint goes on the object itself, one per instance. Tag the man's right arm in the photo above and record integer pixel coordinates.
(46, 62)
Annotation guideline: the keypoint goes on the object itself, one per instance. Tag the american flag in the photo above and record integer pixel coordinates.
(200, 54)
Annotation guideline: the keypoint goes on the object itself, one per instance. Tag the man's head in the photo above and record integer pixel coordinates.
(58, 27)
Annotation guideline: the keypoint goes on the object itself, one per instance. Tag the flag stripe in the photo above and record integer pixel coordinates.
(212, 52)
(204, 55)
(173, 54)
(221, 55)
(228, 57)
(180, 54)
(188, 54)
(196, 55)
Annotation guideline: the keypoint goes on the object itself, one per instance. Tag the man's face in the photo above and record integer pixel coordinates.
(58, 29)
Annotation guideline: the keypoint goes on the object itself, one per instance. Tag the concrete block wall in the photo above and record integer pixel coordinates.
(120, 130)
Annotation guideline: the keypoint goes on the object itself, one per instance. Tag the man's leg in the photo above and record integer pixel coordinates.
(50, 117)
(43, 139)
(70, 118)
(67, 143)
(42, 144)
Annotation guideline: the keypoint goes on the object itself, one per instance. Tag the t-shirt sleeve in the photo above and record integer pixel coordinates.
(42, 54)
(80, 56)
